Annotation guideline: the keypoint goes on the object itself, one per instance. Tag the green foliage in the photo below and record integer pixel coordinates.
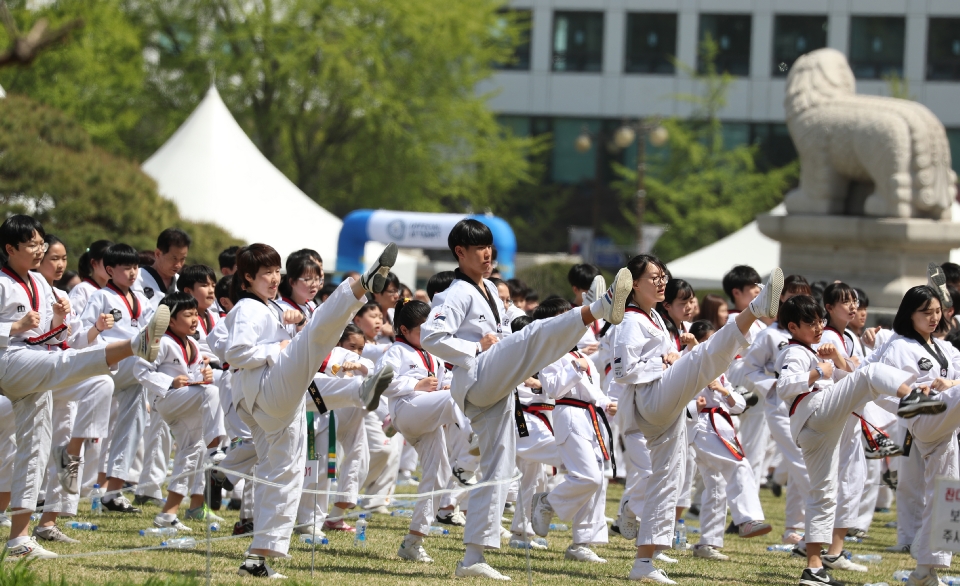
(360, 102)
(699, 189)
(50, 169)
(898, 86)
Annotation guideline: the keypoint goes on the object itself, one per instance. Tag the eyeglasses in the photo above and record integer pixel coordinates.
(36, 247)
(660, 280)
(311, 281)
(391, 292)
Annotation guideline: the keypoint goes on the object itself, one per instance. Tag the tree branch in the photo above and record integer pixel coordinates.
(22, 50)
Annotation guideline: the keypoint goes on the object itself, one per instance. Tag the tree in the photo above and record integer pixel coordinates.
(50, 170)
(22, 49)
(696, 186)
(360, 102)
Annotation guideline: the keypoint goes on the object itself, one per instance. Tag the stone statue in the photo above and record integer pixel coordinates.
(847, 142)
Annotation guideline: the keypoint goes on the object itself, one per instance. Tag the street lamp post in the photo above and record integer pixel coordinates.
(623, 137)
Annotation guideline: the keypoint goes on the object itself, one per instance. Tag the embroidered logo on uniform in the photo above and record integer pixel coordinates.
(924, 364)
(148, 292)
(117, 315)
(176, 361)
(482, 318)
(439, 317)
(413, 366)
(782, 345)
(616, 361)
(21, 309)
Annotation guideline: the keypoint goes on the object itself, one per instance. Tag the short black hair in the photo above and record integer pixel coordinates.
(228, 258)
(350, 330)
(194, 274)
(953, 338)
(551, 308)
(18, 229)
(469, 232)
(517, 288)
(324, 292)
(223, 288)
(298, 264)
(173, 237)
(800, 309)
(915, 299)
(520, 322)
(178, 301)
(701, 328)
(739, 277)
(796, 285)
(368, 307)
(581, 276)
(392, 279)
(955, 296)
(121, 254)
(835, 293)
(410, 314)
(51, 240)
(94, 252)
(439, 283)
(147, 258)
(952, 273)
(862, 297)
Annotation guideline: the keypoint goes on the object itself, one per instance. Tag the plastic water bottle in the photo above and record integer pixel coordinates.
(35, 516)
(311, 540)
(155, 531)
(401, 513)
(950, 580)
(870, 558)
(214, 526)
(558, 527)
(780, 547)
(439, 531)
(96, 507)
(360, 537)
(901, 575)
(680, 535)
(180, 543)
(83, 526)
(851, 539)
(693, 530)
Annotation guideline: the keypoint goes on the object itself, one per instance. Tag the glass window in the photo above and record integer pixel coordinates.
(578, 41)
(793, 36)
(943, 48)
(568, 165)
(876, 46)
(731, 33)
(953, 137)
(775, 145)
(521, 53)
(651, 42)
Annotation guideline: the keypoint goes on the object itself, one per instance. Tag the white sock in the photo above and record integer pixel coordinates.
(336, 514)
(253, 560)
(16, 541)
(922, 571)
(596, 308)
(813, 569)
(412, 539)
(643, 561)
(169, 517)
(473, 555)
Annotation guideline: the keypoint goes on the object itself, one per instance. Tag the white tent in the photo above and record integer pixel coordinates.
(704, 269)
(214, 173)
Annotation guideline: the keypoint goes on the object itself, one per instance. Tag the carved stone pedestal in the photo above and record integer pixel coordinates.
(882, 256)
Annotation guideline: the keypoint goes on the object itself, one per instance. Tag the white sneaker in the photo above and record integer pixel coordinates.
(374, 385)
(314, 531)
(4, 520)
(930, 580)
(160, 522)
(542, 514)
(614, 302)
(662, 557)
(505, 533)
(413, 552)
(709, 552)
(645, 571)
(67, 469)
(937, 280)
(375, 278)
(407, 480)
(597, 288)
(479, 570)
(754, 529)
(628, 524)
(582, 553)
(455, 518)
(29, 550)
(839, 562)
(257, 566)
(767, 303)
(146, 344)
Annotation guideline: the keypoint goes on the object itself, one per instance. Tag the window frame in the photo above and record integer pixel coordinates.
(587, 54)
(627, 37)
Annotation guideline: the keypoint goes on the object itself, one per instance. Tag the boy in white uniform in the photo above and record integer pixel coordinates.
(130, 310)
(180, 383)
(31, 316)
(154, 282)
(820, 403)
(573, 383)
(580, 278)
(466, 331)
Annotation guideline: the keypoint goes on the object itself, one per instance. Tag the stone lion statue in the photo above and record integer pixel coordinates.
(847, 141)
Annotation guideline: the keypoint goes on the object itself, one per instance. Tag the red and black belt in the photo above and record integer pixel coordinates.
(596, 415)
(735, 449)
(798, 398)
(538, 410)
(46, 337)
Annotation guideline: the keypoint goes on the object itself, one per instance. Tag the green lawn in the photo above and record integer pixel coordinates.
(377, 564)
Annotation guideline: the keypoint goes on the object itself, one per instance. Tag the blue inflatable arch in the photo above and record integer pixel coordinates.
(415, 230)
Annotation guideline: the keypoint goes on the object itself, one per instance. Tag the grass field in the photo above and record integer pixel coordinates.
(377, 563)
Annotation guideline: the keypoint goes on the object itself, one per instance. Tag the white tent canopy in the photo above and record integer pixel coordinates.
(704, 269)
(214, 173)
